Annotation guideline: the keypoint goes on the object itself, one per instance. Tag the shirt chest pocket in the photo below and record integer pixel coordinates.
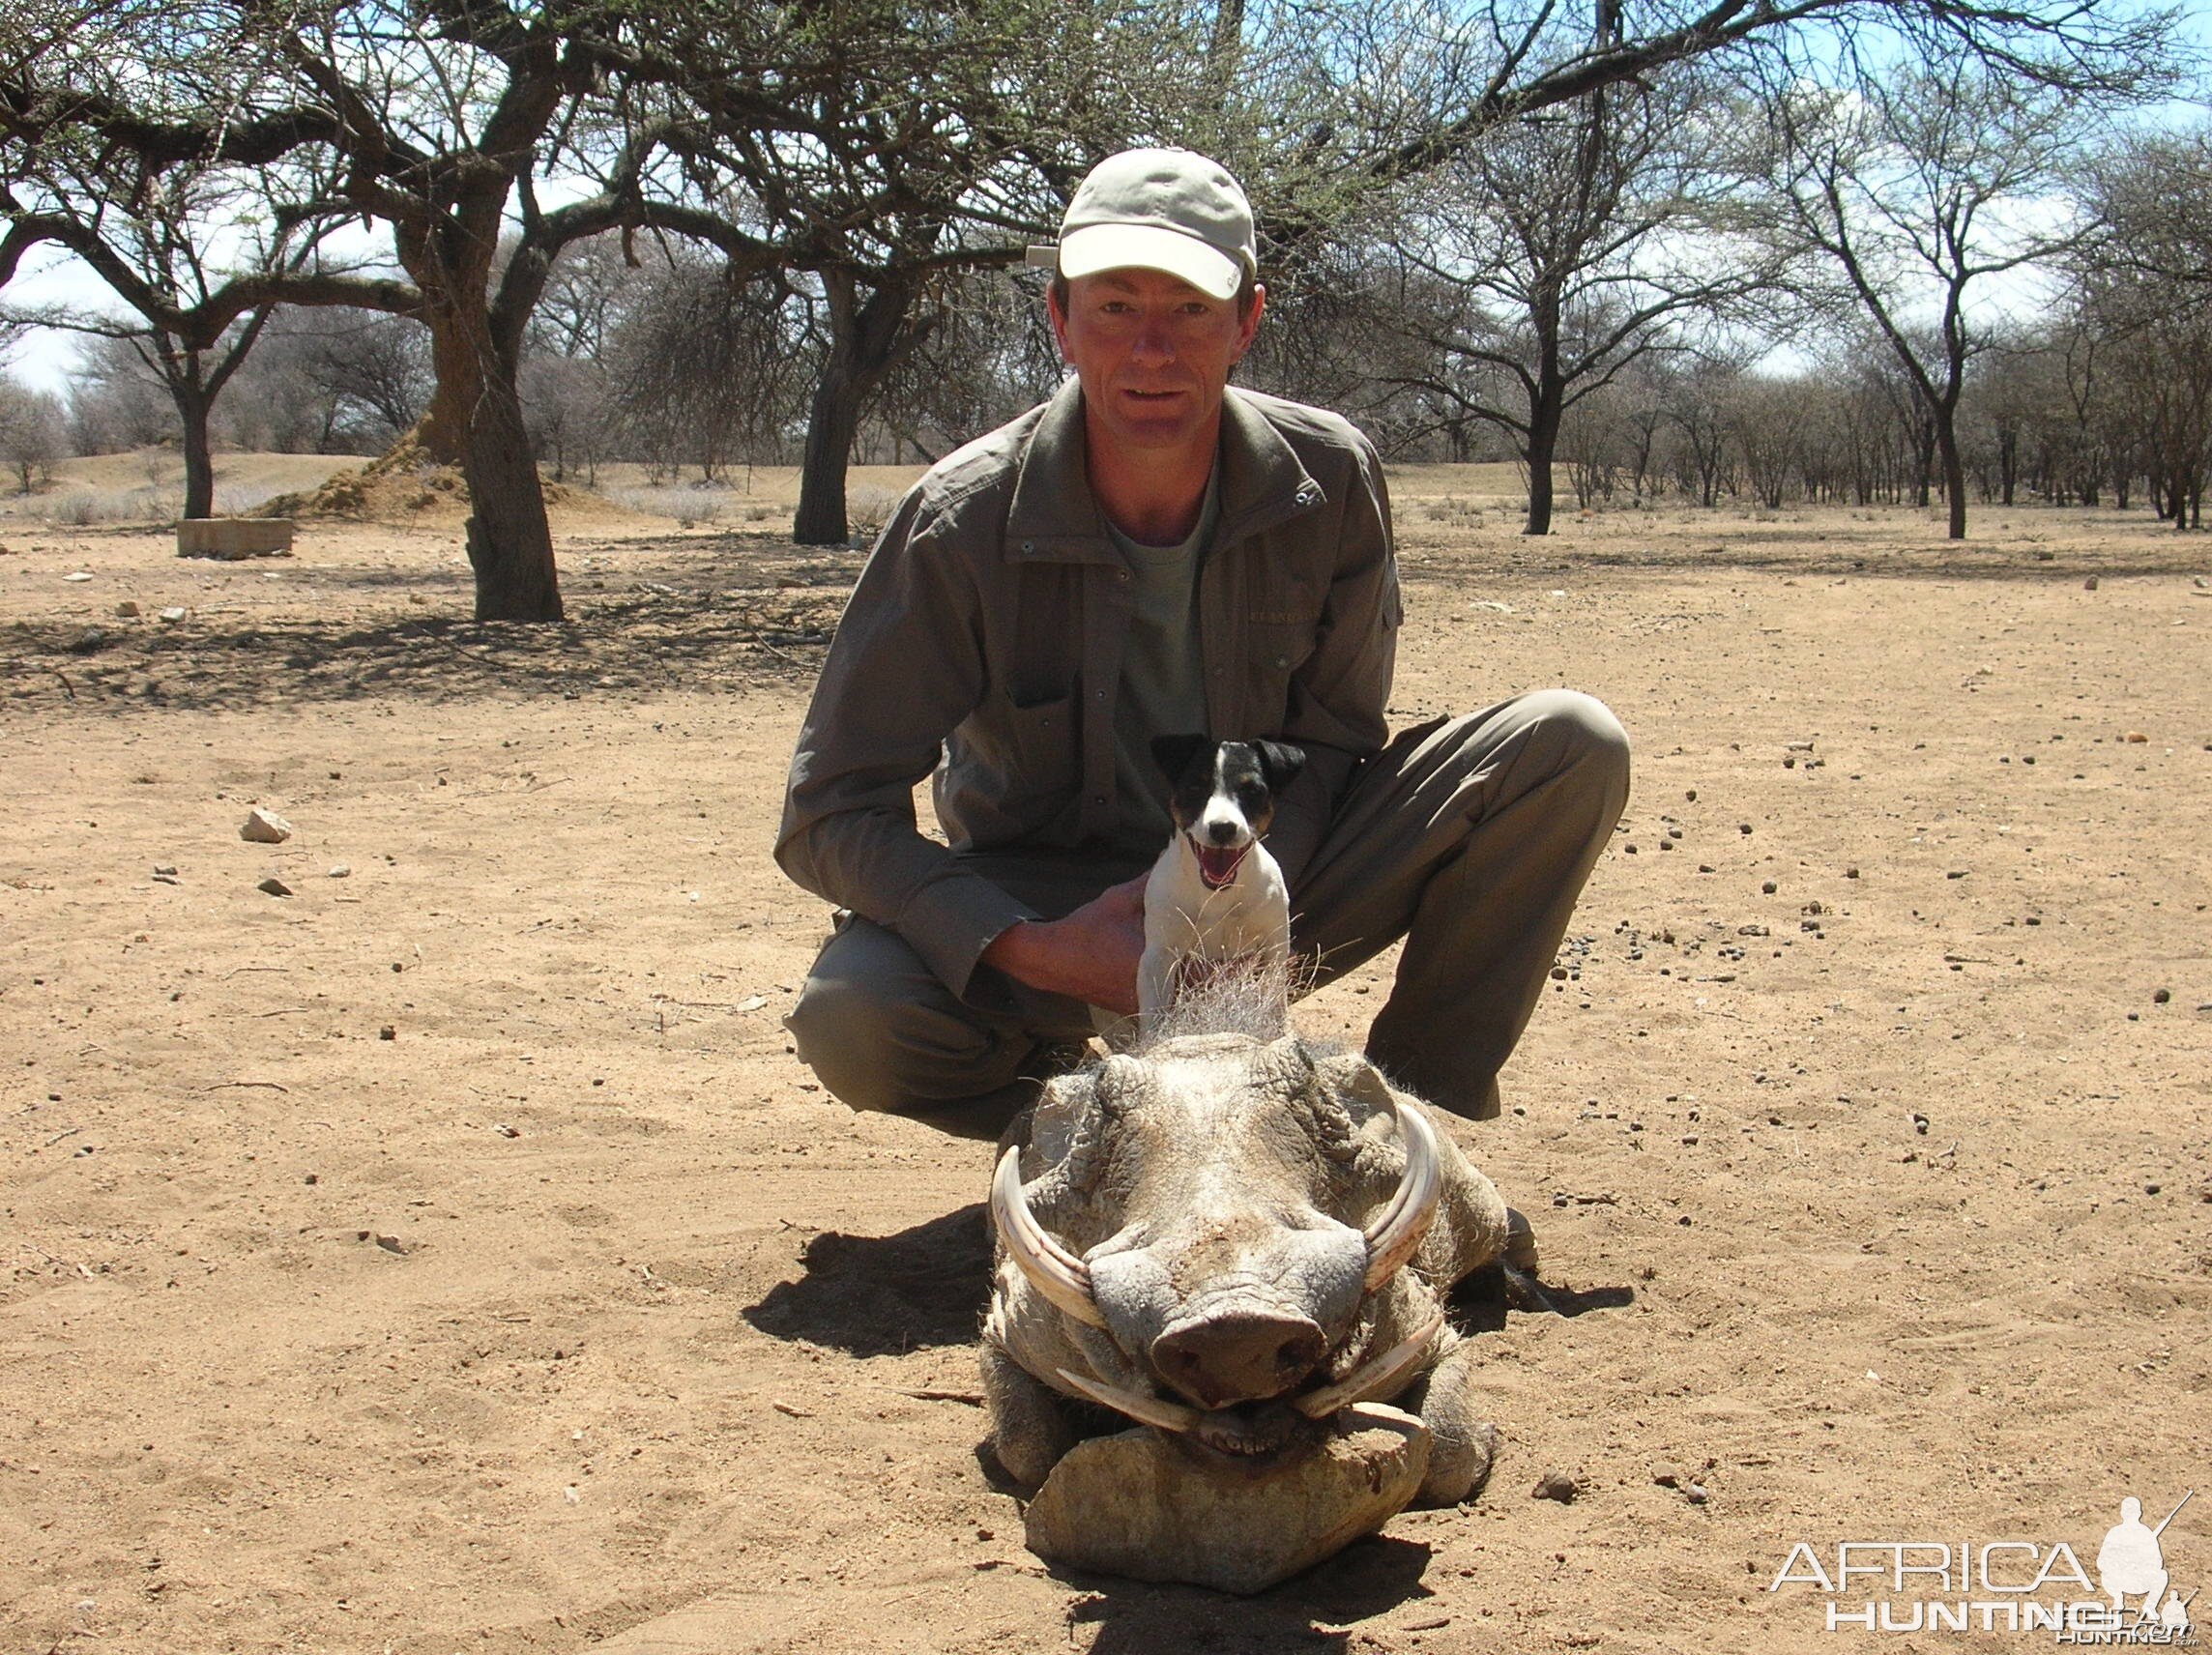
(1027, 745)
(1273, 651)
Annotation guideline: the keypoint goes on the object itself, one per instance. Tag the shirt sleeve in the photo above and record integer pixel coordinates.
(1339, 693)
(905, 667)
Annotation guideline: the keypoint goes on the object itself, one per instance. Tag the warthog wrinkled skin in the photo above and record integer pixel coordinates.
(1216, 1188)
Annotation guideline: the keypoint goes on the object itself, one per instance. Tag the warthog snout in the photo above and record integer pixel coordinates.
(1244, 1356)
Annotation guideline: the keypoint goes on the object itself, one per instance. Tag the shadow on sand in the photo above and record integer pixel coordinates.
(1314, 1613)
(878, 1295)
(688, 617)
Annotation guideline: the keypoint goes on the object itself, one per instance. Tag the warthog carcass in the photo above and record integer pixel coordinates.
(1243, 1245)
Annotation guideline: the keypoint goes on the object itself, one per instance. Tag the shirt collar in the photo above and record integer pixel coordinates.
(1054, 516)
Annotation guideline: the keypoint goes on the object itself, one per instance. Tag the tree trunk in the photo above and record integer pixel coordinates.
(830, 423)
(193, 409)
(866, 342)
(476, 421)
(1542, 447)
(1954, 475)
(511, 543)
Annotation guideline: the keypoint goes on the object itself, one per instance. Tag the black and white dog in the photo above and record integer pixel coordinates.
(1216, 897)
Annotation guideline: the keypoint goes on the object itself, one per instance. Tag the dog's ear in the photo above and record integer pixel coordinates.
(1174, 753)
(1280, 762)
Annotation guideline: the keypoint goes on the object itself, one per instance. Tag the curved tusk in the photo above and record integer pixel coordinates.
(1393, 1233)
(1371, 1379)
(1145, 1409)
(1057, 1273)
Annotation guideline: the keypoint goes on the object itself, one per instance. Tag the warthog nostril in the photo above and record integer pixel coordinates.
(1228, 1359)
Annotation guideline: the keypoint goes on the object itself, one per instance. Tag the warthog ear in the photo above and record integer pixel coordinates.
(1323, 1084)
(1122, 1080)
(1357, 1084)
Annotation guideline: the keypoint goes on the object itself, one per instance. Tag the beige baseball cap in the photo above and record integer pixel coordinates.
(1158, 209)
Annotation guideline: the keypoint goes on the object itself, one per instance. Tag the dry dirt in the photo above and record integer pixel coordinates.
(449, 1257)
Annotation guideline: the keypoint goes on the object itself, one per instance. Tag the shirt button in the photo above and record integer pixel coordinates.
(1220, 672)
(1282, 662)
(1122, 575)
(1028, 548)
(1098, 799)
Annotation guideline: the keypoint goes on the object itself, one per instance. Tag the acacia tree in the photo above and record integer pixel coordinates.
(1571, 245)
(2145, 285)
(168, 248)
(1903, 196)
(707, 366)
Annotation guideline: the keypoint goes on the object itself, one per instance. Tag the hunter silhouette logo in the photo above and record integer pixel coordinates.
(2131, 1563)
(2006, 1586)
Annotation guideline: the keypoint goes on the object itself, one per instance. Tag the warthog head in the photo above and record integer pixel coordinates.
(1212, 1237)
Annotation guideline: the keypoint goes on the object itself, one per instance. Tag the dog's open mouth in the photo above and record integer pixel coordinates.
(1217, 865)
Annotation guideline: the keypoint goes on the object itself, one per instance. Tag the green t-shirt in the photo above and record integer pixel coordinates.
(1163, 678)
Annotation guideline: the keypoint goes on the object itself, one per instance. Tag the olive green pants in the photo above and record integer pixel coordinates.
(1468, 837)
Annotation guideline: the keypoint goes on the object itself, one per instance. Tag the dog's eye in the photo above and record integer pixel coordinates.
(1251, 796)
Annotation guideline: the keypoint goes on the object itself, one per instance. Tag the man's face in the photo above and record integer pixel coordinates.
(1153, 353)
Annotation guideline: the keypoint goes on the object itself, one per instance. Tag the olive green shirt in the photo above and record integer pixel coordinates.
(984, 644)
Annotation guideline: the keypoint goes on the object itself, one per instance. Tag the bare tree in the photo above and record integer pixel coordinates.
(1575, 243)
(1766, 422)
(711, 367)
(1906, 194)
(115, 402)
(31, 432)
(2146, 287)
(1696, 396)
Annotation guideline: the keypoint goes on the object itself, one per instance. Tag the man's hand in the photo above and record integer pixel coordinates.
(1090, 955)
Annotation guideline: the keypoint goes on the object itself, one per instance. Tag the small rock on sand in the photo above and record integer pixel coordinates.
(1556, 1486)
(265, 828)
(275, 886)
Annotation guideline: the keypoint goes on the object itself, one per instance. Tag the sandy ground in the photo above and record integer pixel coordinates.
(449, 1257)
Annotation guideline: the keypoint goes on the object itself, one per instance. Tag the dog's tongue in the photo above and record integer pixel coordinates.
(1217, 863)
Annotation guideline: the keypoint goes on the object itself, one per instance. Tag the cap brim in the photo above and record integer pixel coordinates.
(1148, 247)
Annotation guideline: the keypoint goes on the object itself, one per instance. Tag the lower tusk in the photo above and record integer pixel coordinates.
(1145, 1409)
(1371, 1379)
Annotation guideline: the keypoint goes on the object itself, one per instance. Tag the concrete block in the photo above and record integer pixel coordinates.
(231, 539)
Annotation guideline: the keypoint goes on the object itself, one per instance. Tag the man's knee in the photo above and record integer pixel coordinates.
(892, 1040)
(1582, 732)
(842, 1032)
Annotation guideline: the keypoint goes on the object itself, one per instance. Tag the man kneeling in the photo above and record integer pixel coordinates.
(1154, 551)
